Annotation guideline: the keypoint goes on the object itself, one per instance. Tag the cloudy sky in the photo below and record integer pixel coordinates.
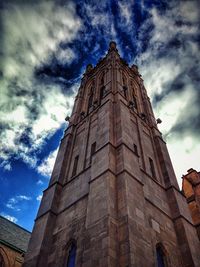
(45, 47)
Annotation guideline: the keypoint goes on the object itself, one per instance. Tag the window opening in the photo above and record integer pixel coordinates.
(160, 257)
(134, 102)
(75, 166)
(123, 80)
(93, 150)
(2, 263)
(125, 89)
(102, 92)
(90, 101)
(72, 256)
(135, 149)
(102, 79)
(152, 168)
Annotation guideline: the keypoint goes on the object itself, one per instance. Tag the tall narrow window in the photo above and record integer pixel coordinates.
(161, 261)
(102, 92)
(152, 168)
(102, 80)
(134, 102)
(123, 80)
(125, 89)
(93, 149)
(90, 101)
(135, 149)
(72, 256)
(75, 166)
(2, 263)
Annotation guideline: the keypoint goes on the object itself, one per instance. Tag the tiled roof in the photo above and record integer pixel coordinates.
(13, 235)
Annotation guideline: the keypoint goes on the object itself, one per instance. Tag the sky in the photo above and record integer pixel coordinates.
(45, 47)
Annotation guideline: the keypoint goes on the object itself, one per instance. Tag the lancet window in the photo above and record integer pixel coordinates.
(125, 88)
(153, 173)
(93, 149)
(72, 256)
(134, 102)
(90, 101)
(75, 166)
(160, 257)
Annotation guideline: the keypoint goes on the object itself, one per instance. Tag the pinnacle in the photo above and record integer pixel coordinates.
(112, 46)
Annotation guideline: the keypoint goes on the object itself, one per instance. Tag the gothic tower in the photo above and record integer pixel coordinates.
(113, 198)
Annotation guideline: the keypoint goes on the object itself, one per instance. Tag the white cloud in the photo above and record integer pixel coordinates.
(14, 202)
(161, 65)
(65, 56)
(39, 197)
(172, 107)
(101, 20)
(96, 15)
(46, 167)
(13, 207)
(8, 217)
(31, 111)
(23, 197)
(125, 10)
(184, 154)
(5, 165)
(39, 182)
(189, 11)
(11, 204)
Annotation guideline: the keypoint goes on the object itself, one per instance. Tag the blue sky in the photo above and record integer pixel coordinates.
(45, 47)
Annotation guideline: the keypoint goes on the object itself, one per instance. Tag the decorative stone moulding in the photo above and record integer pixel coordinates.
(143, 116)
(67, 118)
(158, 121)
(82, 114)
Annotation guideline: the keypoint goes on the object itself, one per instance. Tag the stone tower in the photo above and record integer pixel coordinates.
(113, 198)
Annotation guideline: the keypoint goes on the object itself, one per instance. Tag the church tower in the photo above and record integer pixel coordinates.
(113, 198)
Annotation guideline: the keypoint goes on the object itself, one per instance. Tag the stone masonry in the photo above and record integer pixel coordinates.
(113, 191)
(13, 243)
(191, 190)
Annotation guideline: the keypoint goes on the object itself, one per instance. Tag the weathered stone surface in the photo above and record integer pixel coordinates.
(119, 202)
(13, 243)
(191, 190)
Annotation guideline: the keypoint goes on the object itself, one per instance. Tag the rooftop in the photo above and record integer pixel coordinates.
(13, 235)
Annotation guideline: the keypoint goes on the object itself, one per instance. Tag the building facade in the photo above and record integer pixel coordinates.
(13, 243)
(191, 190)
(113, 198)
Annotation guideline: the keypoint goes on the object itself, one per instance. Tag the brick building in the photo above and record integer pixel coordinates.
(191, 190)
(113, 198)
(13, 243)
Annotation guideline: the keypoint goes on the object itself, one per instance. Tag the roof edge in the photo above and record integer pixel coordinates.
(17, 225)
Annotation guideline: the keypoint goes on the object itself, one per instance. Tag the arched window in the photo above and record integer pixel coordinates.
(152, 168)
(102, 92)
(90, 101)
(123, 80)
(124, 86)
(93, 150)
(2, 263)
(125, 89)
(160, 255)
(72, 256)
(134, 102)
(74, 171)
(102, 79)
